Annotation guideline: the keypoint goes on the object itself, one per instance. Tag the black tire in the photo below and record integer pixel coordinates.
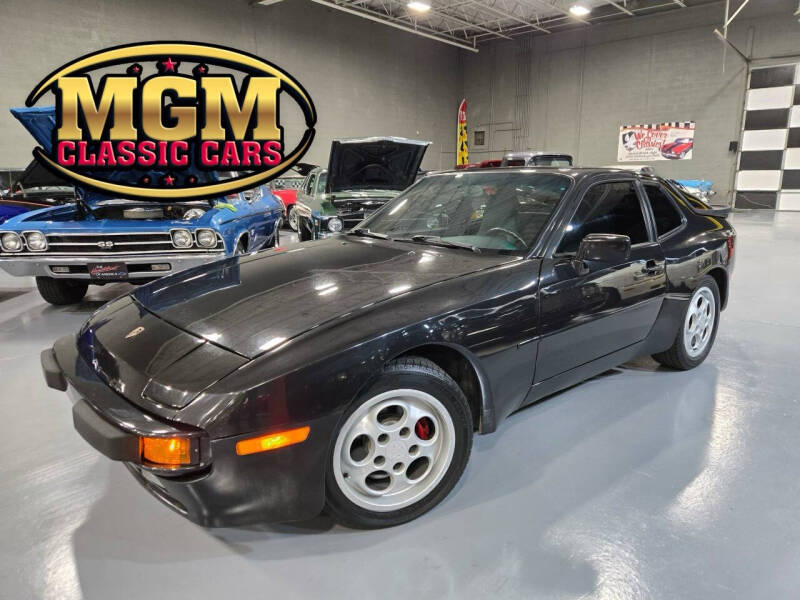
(241, 246)
(61, 291)
(418, 374)
(303, 230)
(276, 236)
(677, 356)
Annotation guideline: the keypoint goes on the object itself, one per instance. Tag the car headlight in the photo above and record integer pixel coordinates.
(206, 238)
(335, 224)
(11, 242)
(36, 241)
(193, 213)
(181, 238)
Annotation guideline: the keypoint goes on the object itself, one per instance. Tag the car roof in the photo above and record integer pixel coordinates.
(575, 172)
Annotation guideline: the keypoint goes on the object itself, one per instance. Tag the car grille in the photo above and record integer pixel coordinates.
(109, 243)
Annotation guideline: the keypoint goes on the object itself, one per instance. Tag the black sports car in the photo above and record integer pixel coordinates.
(466, 297)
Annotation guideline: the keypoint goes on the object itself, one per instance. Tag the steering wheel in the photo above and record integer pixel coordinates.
(509, 234)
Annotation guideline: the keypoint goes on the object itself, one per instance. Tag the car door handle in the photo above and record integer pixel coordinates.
(653, 267)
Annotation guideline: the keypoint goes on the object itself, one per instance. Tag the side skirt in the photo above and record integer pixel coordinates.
(660, 337)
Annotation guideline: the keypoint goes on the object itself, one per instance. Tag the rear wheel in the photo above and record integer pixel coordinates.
(698, 330)
(401, 447)
(61, 291)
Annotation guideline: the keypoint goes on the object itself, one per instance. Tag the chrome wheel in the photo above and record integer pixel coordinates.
(699, 322)
(292, 218)
(393, 450)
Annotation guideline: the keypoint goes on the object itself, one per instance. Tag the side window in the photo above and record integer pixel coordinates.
(606, 208)
(664, 210)
(309, 186)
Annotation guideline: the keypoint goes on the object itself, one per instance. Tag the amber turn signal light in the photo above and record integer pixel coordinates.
(272, 441)
(166, 452)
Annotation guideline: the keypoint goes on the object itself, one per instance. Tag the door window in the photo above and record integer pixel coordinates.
(606, 208)
(664, 210)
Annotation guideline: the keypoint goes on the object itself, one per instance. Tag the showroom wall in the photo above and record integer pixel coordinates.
(571, 91)
(365, 78)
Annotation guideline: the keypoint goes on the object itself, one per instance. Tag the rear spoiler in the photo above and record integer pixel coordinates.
(720, 211)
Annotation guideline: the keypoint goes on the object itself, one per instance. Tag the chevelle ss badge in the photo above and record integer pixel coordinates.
(170, 105)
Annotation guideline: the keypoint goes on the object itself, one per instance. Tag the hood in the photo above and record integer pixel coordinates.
(251, 304)
(377, 163)
(40, 121)
(37, 175)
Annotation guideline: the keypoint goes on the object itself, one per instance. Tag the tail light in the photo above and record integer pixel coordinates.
(731, 241)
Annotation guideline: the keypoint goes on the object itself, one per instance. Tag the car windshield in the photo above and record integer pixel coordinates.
(487, 211)
(321, 181)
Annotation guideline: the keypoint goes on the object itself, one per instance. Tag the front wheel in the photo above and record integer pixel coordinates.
(61, 291)
(304, 233)
(698, 330)
(401, 447)
(291, 217)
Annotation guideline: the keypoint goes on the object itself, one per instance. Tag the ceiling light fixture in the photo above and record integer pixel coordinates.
(580, 10)
(419, 6)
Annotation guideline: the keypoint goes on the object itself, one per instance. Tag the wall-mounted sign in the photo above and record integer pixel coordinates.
(160, 117)
(656, 141)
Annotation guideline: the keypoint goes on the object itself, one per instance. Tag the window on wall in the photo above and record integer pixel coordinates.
(666, 214)
(479, 137)
(606, 208)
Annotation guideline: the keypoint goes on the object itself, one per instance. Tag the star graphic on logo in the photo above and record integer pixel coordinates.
(134, 69)
(169, 180)
(170, 65)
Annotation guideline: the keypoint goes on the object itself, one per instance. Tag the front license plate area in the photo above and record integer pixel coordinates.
(117, 271)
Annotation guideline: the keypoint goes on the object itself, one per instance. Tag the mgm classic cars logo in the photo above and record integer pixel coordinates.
(165, 129)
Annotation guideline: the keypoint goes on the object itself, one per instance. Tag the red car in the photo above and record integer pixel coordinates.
(677, 149)
(481, 165)
(285, 188)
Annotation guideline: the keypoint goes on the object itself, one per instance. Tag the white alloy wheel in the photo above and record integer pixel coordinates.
(394, 450)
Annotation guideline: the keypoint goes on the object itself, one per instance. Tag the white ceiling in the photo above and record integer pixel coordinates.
(471, 22)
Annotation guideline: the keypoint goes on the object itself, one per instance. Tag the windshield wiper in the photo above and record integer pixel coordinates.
(436, 240)
(368, 233)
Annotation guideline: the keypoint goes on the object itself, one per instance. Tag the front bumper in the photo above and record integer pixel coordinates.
(40, 265)
(225, 489)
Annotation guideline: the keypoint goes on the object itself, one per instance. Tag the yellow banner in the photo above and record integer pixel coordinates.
(462, 152)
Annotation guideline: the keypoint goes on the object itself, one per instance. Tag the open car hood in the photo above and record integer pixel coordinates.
(37, 175)
(40, 122)
(376, 163)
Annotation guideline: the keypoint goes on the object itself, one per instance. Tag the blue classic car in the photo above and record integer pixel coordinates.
(99, 239)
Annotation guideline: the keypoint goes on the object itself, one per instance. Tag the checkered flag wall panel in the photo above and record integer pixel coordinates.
(769, 162)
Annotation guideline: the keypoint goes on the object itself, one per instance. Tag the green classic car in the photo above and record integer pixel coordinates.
(362, 175)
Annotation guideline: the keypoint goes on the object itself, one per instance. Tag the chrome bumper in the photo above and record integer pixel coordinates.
(40, 265)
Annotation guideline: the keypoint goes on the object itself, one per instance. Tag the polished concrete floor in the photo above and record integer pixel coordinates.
(642, 483)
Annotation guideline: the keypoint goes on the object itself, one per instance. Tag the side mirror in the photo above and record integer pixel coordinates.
(603, 248)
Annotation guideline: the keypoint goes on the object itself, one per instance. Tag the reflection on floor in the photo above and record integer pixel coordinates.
(640, 483)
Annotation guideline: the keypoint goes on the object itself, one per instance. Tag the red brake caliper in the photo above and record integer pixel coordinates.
(423, 428)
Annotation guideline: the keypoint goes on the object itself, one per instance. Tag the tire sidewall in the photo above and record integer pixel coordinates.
(454, 402)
